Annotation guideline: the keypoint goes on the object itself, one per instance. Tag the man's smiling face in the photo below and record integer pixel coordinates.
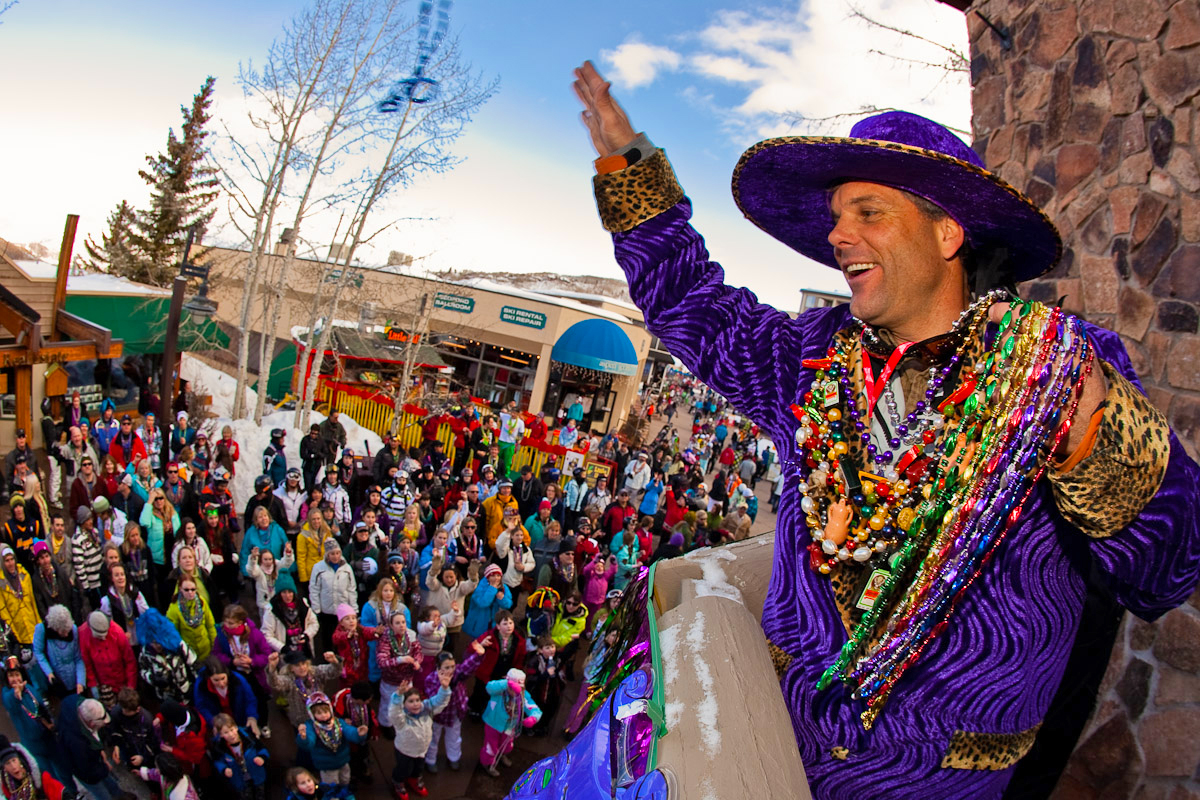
(894, 257)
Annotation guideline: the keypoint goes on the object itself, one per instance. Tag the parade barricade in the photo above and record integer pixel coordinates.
(374, 410)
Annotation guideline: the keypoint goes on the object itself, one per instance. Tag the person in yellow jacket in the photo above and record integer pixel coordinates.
(493, 510)
(18, 607)
(310, 546)
(192, 617)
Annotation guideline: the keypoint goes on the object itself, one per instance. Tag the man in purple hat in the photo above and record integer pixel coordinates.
(963, 469)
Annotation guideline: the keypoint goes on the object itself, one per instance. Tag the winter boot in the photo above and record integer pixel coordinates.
(491, 769)
(399, 792)
(506, 761)
(416, 786)
(431, 768)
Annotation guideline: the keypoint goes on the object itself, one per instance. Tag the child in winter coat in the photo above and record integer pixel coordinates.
(354, 706)
(350, 640)
(449, 721)
(543, 677)
(398, 655)
(327, 740)
(412, 718)
(509, 708)
(238, 756)
(171, 777)
(298, 681)
(431, 635)
(597, 577)
(303, 785)
(504, 648)
(489, 597)
(266, 571)
(385, 600)
(132, 731)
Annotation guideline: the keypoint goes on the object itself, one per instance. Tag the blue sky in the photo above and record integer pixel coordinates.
(90, 88)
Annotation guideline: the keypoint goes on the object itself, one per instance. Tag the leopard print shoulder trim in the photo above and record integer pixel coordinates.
(628, 197)
(780, 659)
(1106, 491)
(993, 751)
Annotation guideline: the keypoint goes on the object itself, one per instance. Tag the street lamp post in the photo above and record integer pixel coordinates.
(200, 307)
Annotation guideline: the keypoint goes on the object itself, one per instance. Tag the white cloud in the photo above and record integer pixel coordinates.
(816, 60)
(634, 63)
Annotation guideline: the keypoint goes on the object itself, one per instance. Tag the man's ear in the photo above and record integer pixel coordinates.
(950, 236)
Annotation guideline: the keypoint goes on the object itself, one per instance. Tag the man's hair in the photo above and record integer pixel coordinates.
(128, 699)
(935, 213)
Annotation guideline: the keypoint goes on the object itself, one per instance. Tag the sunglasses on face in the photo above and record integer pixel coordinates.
(468, 527)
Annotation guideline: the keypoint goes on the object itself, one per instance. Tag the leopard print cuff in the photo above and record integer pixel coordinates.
(1106, 491)
(628, 197)
(994, 751)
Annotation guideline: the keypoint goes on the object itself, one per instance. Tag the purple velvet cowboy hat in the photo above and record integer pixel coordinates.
(782, 186)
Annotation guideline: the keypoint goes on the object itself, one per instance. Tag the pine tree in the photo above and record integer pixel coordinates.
(115, 253)
(183, 190)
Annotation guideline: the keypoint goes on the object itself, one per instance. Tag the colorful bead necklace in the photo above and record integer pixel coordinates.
(957, 491)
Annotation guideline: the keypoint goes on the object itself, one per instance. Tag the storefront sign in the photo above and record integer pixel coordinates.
(355, 277)
(521, 316)
(454, 302)
(398, 334)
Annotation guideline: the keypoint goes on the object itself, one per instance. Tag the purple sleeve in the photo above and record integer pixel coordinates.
(1153, 565)
(745, 350)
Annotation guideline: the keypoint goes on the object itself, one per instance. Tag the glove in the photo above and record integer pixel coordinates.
(529, 721)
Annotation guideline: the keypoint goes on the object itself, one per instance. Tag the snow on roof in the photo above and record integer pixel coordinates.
(38, 270)
(102, 283)
(599, 298)
(498, 288)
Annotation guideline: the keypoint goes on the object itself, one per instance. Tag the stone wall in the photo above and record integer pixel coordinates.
(1093, 113)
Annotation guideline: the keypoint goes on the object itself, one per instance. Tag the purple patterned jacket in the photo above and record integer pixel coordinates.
(998, 664)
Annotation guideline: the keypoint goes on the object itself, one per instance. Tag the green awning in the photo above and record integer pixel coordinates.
(142, 322)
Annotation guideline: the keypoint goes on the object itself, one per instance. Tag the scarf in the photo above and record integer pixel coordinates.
(14, 583)
(329, 735)
(193, 612)
(125, 440)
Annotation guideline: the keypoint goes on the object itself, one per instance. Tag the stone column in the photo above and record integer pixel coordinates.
(1092, 112)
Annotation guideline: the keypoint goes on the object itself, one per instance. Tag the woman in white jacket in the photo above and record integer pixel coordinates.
(514, 554)
(331, 584)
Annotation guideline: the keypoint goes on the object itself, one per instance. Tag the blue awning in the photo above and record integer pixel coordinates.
(596, 344)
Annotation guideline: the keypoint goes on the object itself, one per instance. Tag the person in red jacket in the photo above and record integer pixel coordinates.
(503, 647)
(22, 777)
(613, 521)
(107, 658)
(127, 447)
(350, 641)
(184, 734)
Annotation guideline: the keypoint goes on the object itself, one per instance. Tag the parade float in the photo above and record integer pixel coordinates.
(685, 704)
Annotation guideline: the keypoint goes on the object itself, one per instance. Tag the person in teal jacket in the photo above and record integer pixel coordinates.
(489, 596)
(327, 739)
(509, 709)
(158, 529)
(265, 534)
(30, 715)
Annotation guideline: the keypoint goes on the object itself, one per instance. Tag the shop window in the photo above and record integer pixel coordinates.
(8, 406)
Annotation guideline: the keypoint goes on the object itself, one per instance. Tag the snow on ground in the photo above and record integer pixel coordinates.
(210, 380)
(252, 438)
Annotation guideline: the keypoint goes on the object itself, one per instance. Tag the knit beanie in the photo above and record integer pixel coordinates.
(345, 610)
(98, 621)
